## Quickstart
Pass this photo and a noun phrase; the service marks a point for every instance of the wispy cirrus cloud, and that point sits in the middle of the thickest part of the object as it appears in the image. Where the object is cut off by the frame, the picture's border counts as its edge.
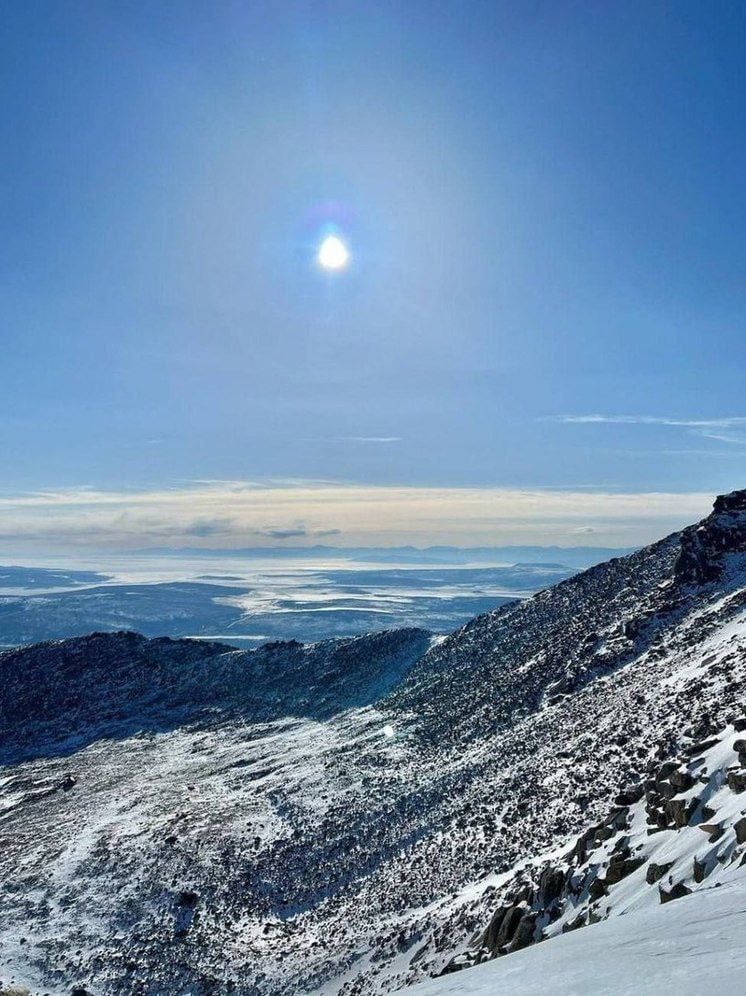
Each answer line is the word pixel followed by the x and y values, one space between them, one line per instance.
pixel 372 439
pixel 230 514
pixel 358 439
pixel 727 429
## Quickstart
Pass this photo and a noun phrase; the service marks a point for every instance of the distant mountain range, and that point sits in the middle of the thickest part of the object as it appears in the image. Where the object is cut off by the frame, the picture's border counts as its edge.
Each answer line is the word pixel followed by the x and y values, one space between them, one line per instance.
pixel 372 813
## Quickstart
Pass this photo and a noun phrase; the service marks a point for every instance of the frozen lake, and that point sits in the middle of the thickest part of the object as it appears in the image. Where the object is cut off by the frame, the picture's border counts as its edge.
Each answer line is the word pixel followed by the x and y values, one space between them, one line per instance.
pixel 247 601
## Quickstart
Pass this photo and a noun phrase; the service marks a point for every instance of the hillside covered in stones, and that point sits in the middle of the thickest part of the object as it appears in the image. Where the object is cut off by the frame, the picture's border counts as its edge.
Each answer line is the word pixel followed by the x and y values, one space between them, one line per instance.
pixel 113 683
pixel 429 805
pixel 681 828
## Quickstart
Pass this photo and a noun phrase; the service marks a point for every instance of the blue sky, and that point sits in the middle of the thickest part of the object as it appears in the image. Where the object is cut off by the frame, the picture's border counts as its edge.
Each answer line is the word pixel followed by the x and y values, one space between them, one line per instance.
pixel 545 205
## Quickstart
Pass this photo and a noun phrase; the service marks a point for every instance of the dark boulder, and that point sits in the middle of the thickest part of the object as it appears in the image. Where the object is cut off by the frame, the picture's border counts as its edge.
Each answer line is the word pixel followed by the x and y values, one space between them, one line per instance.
pixel 630 794
pixel 597 888
pixel 740 827
pixel 677 892
pixel 682 779
pixel 525 932
pixel 736 781
pixel 656 872
pixel 618 870
pixel 550 885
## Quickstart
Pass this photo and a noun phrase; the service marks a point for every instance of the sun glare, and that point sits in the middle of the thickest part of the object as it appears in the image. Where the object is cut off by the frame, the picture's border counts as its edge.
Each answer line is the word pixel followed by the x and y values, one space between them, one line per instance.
pixel 333 254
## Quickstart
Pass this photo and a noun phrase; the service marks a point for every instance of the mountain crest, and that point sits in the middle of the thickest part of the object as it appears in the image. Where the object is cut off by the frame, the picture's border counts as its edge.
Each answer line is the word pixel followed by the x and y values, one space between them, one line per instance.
pixel 704 545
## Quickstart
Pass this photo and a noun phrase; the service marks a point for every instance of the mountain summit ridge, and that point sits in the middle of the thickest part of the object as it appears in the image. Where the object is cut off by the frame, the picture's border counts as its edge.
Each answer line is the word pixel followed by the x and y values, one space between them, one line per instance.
pixel 704 545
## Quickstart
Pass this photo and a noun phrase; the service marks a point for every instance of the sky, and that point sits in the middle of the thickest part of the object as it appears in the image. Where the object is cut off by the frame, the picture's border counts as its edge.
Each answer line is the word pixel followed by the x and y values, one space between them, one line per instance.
pixel 544 205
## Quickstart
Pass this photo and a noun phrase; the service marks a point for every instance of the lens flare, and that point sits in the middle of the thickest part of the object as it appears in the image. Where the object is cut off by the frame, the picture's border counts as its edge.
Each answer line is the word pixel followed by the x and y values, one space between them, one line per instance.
pixel 333 254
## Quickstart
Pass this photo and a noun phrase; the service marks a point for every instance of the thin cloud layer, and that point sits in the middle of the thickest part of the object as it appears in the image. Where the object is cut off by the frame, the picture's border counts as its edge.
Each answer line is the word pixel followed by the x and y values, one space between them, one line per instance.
pixel 229 514
pixel 724 430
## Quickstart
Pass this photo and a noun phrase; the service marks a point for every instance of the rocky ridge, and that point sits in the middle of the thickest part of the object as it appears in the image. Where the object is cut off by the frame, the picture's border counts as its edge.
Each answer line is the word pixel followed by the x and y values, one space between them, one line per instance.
pixel 107 683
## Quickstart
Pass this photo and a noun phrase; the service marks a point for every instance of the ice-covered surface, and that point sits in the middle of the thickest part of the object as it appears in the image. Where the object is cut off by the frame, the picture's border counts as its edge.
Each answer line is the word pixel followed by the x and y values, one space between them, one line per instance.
pixel 688 948
pixel 246 603
pixel 281 838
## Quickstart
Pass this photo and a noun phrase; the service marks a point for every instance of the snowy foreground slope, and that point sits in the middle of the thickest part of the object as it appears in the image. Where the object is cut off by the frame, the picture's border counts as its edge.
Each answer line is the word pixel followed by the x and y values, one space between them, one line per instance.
pixel 688 948
pixel 357 816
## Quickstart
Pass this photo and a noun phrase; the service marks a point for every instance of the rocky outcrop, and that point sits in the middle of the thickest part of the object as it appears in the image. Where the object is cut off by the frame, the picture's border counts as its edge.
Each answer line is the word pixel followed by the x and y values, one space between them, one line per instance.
pixel 704 546
pixel 678 798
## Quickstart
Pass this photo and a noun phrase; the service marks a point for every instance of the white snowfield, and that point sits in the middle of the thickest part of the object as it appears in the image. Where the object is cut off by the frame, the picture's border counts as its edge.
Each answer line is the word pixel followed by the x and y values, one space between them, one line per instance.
pixel 691 947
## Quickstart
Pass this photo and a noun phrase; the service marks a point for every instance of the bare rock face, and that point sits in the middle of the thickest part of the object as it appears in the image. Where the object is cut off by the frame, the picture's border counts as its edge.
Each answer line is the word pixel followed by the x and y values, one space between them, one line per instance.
pixel 704 545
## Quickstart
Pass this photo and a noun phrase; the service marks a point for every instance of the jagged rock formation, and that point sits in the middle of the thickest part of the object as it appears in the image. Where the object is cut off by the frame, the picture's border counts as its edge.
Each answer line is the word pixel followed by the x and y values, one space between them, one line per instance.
pixel 361 848
pixel 703 546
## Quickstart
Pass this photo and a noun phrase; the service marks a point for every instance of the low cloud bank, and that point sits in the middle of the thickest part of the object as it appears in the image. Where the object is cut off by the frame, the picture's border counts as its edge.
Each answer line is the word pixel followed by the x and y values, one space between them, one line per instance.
pixel 226 514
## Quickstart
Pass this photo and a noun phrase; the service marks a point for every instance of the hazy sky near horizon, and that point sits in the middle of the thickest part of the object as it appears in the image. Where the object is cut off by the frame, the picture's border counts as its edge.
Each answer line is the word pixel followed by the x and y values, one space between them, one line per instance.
pixel 239 514
pixel 544 203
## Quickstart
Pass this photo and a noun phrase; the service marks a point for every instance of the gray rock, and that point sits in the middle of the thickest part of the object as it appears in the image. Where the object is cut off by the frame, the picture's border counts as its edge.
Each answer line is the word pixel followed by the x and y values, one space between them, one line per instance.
pixel 736 781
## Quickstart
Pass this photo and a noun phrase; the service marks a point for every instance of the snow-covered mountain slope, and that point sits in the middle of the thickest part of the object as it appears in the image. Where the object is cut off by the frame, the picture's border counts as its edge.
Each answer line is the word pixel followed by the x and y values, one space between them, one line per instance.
pixel 114 682
pixel 687 948
pixel 681 829
pixel 361 846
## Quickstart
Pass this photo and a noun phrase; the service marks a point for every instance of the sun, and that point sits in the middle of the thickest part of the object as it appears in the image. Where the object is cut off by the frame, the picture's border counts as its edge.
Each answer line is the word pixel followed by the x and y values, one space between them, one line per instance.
pixel 333 254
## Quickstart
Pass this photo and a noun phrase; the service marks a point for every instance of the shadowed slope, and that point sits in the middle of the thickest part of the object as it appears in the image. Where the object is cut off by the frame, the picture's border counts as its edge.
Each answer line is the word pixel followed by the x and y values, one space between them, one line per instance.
pixel 59 696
